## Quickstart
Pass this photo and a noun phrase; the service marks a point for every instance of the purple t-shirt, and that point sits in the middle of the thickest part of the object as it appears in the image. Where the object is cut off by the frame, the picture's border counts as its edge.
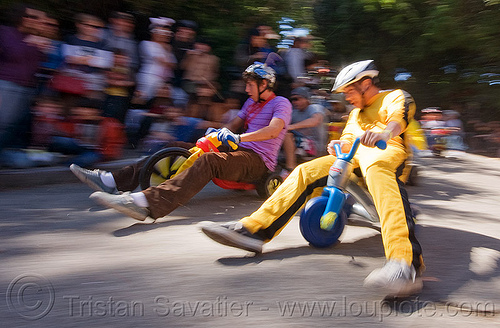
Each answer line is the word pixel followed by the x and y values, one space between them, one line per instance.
pixel 18 60
pixel 278 107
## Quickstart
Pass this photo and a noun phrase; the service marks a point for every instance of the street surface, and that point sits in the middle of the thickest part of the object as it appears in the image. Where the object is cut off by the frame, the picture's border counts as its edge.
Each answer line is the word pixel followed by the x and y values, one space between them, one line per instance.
pixel 67 262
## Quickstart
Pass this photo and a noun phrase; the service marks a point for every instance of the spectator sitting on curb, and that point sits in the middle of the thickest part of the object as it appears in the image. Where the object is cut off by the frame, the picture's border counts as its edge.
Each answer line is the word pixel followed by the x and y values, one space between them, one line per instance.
pixel 200 68
pixel 119 80
pixel 251 49
pixel 18 64
pixel 80 137
pixel 163 129
pixel 48 121
pixel 120 35
pixel 296 58
pixel 53 53
pixel 307 130
pixel 158 60
pixel 152 110
pixel 338 111
pixel 184 40
pixel 86 56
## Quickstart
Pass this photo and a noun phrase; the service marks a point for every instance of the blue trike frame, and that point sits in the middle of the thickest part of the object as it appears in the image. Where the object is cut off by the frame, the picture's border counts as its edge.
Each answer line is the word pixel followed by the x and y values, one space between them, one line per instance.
pixel 323 219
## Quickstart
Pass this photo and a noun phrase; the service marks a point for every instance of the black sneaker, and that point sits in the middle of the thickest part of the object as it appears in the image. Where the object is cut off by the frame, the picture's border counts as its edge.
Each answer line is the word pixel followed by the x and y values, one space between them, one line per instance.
pixel 233 234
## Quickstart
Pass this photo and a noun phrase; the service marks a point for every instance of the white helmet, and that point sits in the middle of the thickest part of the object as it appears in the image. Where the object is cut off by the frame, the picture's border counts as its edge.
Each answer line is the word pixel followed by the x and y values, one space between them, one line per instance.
pixel 353 73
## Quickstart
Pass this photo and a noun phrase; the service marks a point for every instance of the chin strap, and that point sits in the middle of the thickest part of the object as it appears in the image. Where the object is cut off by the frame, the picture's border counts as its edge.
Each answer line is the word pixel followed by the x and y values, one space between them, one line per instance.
pixel 362 95
pixel 260 93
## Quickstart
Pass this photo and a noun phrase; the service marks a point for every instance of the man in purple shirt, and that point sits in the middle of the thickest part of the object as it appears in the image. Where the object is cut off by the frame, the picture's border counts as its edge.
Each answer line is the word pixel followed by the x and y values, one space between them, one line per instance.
pixel 264 118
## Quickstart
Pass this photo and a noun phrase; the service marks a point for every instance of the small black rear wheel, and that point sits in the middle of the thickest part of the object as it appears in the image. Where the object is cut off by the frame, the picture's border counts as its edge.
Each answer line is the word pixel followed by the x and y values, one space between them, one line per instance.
pixel 267 186
pixel 162 165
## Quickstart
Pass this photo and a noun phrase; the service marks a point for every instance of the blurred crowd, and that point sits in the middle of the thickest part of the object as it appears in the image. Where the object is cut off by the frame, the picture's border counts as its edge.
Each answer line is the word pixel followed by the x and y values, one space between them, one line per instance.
pixel 474 135
pixel 85 96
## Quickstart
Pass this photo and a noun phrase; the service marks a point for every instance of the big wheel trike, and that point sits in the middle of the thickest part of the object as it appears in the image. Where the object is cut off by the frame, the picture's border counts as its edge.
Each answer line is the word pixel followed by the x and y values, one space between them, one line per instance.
pixel 167 163
pixel 324 218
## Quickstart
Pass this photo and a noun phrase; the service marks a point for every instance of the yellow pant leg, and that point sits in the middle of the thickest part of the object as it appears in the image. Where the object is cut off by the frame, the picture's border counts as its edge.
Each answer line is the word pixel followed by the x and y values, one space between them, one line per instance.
pixel 305 181
pixel 379 169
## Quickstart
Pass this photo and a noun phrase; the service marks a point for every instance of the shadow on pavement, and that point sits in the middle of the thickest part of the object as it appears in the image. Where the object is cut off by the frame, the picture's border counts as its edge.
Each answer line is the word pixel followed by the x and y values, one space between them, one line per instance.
pixel 448 255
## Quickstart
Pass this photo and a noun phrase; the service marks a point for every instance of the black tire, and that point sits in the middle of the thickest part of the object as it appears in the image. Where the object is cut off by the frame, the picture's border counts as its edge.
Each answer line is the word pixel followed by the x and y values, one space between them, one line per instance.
pixel 162 165
pixel 267 186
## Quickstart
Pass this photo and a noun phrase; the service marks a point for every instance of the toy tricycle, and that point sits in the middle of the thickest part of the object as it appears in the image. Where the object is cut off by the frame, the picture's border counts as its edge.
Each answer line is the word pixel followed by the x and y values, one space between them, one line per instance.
pixel 324 218
pixel 438 139
pixel 167 163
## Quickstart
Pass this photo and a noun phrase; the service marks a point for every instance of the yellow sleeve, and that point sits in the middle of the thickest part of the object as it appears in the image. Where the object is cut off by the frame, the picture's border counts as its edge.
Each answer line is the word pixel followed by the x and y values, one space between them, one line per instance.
pixel 400 107
pixel 348 134
pixel 395 108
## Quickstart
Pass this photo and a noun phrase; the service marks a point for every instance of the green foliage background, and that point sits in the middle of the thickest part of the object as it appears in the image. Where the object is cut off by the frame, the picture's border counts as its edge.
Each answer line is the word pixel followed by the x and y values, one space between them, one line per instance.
pixel 421 36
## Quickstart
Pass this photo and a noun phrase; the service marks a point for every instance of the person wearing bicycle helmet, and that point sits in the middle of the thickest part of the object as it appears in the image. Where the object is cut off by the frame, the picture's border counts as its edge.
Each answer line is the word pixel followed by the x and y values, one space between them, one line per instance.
pixel 264 78
pixel 264 118
pixel 378 115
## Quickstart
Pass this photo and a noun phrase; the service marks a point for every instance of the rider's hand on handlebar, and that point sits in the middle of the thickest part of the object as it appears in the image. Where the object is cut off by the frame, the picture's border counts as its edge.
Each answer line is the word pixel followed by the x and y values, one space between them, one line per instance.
pixel 228 138
pixel 345 146
pixel 369 138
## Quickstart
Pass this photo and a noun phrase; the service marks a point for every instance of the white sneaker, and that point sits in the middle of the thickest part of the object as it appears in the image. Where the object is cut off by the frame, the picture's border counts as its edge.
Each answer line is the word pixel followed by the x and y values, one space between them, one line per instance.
pixel 396 277
pixel 92 178
pixel 123 203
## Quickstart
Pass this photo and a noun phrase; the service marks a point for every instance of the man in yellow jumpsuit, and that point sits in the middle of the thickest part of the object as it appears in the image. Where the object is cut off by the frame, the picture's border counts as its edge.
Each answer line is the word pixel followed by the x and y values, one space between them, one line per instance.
pixel 379 115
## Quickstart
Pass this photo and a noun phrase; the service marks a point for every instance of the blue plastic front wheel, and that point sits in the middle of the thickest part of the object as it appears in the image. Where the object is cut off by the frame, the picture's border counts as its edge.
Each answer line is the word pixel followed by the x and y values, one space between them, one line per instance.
pixel 310 224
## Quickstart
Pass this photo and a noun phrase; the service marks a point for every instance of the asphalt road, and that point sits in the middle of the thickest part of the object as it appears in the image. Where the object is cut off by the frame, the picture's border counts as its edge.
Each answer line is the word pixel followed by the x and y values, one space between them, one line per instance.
pixel 67 262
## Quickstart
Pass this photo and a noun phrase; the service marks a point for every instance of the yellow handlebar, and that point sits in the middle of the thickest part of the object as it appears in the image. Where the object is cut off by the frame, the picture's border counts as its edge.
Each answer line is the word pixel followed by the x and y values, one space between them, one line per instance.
pixel 216 142
pixel 197 152
pixel 233 145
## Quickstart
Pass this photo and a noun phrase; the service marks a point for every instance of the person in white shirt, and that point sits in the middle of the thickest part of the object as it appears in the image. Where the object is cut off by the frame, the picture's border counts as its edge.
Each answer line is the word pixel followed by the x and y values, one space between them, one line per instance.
pixel 158 61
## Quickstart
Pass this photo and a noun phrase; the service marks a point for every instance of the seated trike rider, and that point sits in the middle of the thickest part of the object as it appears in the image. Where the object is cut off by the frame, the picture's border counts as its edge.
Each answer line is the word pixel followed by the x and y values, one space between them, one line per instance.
pixel 264 117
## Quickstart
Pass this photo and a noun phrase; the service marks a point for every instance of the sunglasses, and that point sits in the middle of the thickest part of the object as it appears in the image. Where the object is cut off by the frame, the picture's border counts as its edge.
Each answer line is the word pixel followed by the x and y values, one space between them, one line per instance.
pixel 161 31
pixel 294 98
pixel 91 25
pixel 31 16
